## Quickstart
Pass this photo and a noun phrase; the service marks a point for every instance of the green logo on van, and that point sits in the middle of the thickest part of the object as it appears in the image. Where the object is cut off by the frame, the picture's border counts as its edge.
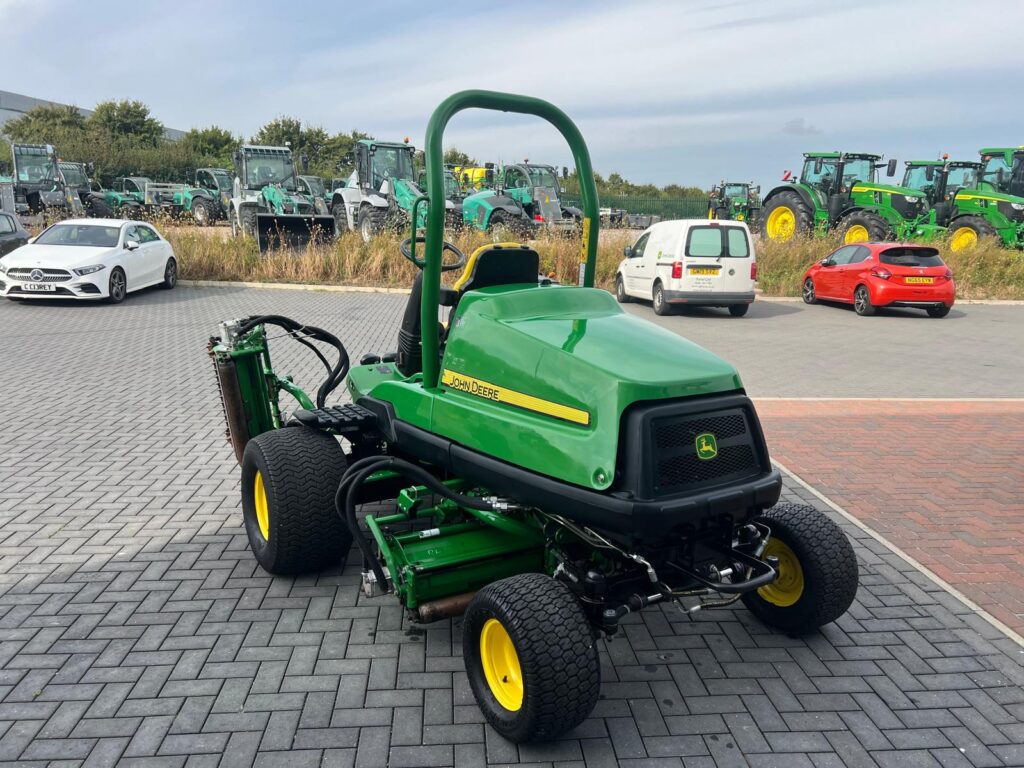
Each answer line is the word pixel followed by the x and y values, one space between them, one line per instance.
pixel 707 446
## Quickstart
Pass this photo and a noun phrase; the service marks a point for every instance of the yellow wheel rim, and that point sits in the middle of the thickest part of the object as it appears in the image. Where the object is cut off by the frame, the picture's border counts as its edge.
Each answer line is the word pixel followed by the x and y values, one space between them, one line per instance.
pixel 259 494
pixel 781 224
pixel 501 665
pixel 962 239
pixel 788 588
pixel 858 233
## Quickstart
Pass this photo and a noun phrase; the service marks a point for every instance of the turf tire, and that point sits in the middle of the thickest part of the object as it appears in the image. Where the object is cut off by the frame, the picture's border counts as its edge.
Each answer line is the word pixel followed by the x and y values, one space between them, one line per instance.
pixel 301 469
pixel 557 654
pixel 829 567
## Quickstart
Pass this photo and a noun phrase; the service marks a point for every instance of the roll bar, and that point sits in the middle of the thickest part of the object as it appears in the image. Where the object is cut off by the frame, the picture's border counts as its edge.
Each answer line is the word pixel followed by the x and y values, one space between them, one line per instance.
pixel 434 156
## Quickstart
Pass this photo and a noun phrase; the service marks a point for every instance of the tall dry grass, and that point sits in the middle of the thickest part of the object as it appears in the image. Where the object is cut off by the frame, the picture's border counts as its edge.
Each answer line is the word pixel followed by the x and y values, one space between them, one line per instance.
pixel 987 272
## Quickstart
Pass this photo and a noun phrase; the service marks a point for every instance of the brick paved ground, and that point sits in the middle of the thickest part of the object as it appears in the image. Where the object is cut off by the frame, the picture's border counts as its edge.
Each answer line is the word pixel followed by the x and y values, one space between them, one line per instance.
pixel 135 628
pixel 942 481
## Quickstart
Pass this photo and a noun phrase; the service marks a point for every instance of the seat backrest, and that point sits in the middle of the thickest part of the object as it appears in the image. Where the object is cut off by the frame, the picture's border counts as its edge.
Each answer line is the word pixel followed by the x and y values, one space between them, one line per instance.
pixel 499 264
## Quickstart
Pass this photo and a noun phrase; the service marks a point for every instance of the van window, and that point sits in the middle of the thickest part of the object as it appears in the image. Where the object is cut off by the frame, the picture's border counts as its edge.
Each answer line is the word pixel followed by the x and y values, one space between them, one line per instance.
pixel 716 242
pixel 641 244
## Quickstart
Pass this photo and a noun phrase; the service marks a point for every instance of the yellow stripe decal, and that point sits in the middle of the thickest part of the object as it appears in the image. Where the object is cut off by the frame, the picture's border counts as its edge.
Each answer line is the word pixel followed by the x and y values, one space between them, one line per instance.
pixel 489 391
pixel 962 196
pixel 859 188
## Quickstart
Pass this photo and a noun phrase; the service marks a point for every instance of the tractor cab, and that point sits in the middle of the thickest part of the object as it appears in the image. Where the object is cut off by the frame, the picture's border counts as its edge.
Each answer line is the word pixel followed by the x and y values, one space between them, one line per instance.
pixel 941 181
pixel 132 186
pixel 1003 170
pixel 37 181
pixel 219 183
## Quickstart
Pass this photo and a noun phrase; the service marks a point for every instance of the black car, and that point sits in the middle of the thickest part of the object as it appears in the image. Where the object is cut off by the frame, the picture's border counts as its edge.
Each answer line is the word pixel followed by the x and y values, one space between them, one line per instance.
pixel 12 234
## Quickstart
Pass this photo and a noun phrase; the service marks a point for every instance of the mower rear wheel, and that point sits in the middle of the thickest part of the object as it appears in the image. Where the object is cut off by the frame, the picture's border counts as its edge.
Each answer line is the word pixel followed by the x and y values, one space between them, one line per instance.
pixel 531 657
pixel 818 572
pixel 289 478
pixel 661 306
pixel 863 227
pixel 620 291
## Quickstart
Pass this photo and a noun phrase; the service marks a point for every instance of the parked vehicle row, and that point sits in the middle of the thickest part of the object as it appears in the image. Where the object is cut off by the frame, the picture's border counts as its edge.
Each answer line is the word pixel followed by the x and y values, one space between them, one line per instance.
pixel 967 201
pixel 712 263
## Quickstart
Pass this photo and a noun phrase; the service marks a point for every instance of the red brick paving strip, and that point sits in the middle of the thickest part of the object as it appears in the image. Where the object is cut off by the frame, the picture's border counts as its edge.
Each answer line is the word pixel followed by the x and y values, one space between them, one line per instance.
pixel 942 480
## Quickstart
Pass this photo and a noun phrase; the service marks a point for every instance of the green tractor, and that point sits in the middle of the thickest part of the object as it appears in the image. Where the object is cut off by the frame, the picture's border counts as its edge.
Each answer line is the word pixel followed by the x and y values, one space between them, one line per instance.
pixel 969 210
pixel 381 192
pixel 219 182
pixel 524 198
pixel 555 464
pixel 126 197
pixel 839 191
pixel 203 206
pixel 76 178
pixel 735 200
pixel 1003 170
pixel 265 202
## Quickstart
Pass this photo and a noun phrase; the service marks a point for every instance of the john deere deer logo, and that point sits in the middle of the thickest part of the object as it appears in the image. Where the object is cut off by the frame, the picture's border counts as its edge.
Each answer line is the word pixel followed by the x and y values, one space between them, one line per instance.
pixel 707 446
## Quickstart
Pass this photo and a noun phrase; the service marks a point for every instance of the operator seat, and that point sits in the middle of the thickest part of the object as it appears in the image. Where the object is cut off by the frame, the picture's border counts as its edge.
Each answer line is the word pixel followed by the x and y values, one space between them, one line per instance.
pixel 489 265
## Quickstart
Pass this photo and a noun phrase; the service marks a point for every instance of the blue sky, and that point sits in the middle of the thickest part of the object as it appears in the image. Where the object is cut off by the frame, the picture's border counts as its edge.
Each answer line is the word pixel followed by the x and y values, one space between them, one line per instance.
pixel 686 91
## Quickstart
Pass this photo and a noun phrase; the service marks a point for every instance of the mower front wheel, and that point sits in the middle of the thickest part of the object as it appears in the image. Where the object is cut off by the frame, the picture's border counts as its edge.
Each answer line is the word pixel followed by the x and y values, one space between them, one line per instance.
pixel 289 478
pixel 818 572
pixel 531 657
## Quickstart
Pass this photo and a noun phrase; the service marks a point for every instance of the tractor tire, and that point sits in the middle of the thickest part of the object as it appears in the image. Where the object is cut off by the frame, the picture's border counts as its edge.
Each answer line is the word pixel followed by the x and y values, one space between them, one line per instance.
pixel 497 221
pixel 248 222
pixel 370 222
pixel 809 292
pixel 661 306
pixel 340 219
pixel 97 208
pixel 785 216
pixel 862 301
pixel 129 211
pixel 620 291
pixel 864 227
pixel 531 657
pixel 738 310
pixel 721 214
pixel 203 212
pixel 818 572
pixel 966 232
pixel 289 478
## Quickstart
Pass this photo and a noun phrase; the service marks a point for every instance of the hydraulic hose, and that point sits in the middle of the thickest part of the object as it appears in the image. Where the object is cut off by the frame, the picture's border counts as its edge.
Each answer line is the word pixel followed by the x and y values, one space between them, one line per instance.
pixel 356 474
pixel 335 374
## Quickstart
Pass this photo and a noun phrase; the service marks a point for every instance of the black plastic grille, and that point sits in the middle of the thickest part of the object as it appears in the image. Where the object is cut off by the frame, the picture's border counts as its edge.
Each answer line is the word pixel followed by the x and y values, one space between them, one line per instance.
pixel 677 467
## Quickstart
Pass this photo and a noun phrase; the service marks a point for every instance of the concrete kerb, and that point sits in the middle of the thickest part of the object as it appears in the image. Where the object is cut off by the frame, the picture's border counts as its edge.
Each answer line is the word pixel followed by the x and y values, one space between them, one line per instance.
pixel 380 289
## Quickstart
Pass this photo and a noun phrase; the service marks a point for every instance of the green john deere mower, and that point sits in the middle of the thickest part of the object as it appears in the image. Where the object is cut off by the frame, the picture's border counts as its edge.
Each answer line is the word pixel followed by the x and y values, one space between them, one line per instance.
pixel 555 464
pixel 839 191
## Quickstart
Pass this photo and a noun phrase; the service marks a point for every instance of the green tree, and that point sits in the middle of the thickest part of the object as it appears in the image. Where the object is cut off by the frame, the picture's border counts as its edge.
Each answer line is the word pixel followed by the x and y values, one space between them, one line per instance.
pixel 212 141
pixel 126 121
pixel 338 153
pixel 46 125
pixel 453 156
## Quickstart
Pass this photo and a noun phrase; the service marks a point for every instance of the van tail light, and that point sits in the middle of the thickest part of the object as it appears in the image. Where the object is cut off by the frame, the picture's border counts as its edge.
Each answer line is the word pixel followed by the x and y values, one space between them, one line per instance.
pixel 881 272
pixel 753 270
pixel 677 270
pixel 948 274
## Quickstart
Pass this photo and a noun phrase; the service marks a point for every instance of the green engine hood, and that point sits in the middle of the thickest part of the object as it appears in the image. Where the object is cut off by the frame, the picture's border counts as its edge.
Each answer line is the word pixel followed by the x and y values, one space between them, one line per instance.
pixel 539 376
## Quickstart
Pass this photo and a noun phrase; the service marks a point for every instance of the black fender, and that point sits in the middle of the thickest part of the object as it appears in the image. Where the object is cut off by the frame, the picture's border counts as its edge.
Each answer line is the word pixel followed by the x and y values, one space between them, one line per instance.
pixel 803 194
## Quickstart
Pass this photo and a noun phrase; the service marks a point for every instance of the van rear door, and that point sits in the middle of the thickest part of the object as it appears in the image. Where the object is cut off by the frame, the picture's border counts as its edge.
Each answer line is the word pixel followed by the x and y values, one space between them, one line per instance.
pixel 717 259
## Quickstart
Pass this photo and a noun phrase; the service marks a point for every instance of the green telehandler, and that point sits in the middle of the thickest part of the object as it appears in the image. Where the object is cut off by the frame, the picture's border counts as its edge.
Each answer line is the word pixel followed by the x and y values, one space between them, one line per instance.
pixel 555 463
pixel 524 198
pixel 381 191
pixel 735 200
pixel 971 211
pixel 76 178
pixel 839 191
pixel 265 203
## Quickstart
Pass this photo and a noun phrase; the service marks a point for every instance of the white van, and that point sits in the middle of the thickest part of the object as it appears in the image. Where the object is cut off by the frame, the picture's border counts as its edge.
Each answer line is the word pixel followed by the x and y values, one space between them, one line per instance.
pixel 699 262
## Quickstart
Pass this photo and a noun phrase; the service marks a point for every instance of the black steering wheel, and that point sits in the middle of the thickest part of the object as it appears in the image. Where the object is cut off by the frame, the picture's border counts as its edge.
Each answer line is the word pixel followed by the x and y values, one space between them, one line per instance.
pixel 460 257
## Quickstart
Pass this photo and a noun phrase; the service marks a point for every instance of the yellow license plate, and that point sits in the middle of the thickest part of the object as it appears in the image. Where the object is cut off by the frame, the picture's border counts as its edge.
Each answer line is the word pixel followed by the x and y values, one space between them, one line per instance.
pixel 704 271
pixel 919 280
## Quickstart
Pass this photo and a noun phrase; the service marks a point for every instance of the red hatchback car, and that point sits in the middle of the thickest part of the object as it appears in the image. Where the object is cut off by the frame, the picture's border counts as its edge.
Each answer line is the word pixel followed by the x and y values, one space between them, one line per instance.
pixel 872 275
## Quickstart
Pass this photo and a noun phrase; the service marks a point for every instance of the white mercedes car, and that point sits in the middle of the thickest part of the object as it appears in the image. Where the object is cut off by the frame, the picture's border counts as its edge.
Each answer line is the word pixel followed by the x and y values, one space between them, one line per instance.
pixel 89 259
